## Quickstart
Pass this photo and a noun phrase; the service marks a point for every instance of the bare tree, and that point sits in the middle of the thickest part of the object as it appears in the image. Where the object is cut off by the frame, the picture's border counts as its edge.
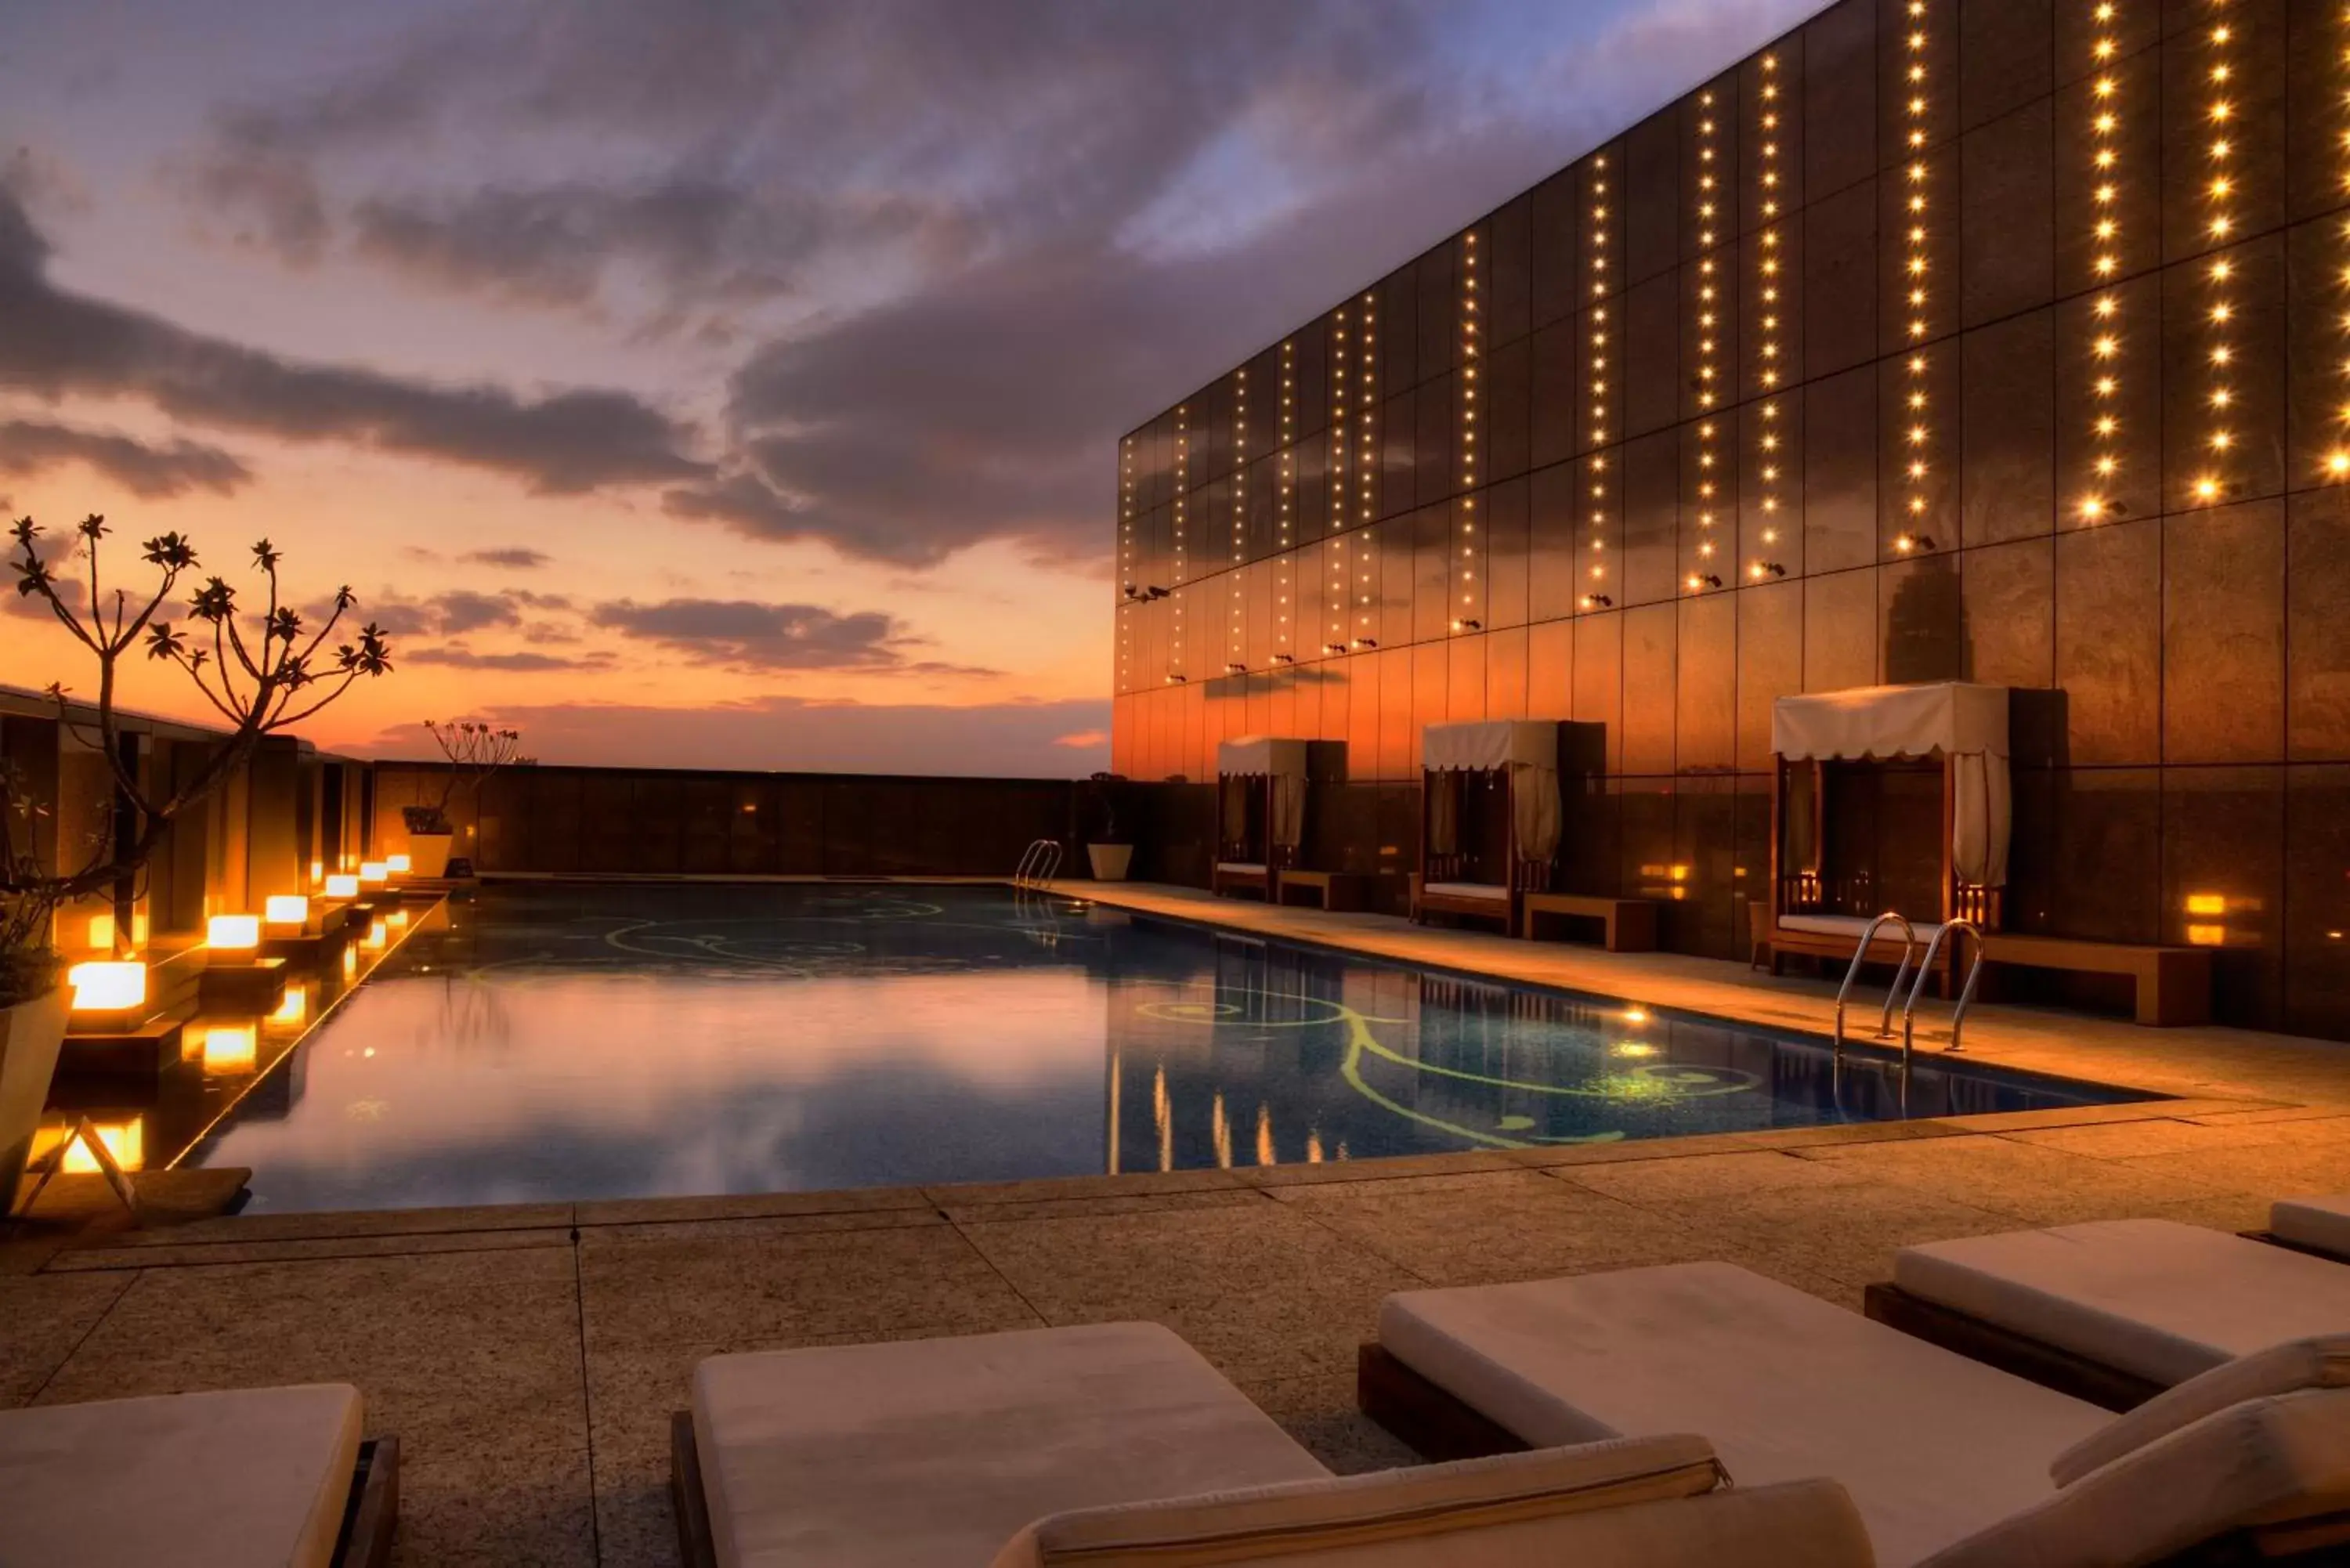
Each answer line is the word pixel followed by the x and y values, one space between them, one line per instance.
pixel 261 673
pixel 475 751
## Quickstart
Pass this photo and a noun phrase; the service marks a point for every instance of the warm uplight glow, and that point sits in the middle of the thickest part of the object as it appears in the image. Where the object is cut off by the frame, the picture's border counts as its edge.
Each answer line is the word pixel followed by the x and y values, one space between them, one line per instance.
pixel 318 872
pixel 293 1007
pixel 231 1047
pixel 397 919
pixel 374 871
pixel 101 932
pixel 397 865
pixel 350 962
pixel 1636 1015
pixel 108 986
pixel 125 1142
pixel 232 933
pixel 2207 903
pixel 286 910
pixel 342 885
pixel 377 933
pixel 2207 936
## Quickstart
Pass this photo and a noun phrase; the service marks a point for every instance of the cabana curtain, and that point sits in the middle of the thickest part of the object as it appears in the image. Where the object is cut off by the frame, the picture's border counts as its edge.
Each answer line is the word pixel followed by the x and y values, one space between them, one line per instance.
pixel 1258 756
pixel 1965 722
pixel 1528 749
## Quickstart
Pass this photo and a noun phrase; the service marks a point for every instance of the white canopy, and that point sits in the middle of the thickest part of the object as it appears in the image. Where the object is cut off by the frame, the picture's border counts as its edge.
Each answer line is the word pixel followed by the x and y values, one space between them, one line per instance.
pixel 1473 748
pixel 1951 717
pixel 1528 748
pixel 1965 722
pixel 1265 756
pixel 1261 754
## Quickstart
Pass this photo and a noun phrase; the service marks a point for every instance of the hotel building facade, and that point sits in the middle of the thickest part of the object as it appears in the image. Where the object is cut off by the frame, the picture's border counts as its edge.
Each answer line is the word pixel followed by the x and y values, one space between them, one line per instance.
pixel 1993 340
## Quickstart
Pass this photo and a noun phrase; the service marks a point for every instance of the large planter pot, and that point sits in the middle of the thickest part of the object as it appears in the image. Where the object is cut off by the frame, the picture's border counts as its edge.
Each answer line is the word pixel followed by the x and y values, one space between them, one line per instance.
pixel 31 1033
pixel 1110 860
pixel 428 853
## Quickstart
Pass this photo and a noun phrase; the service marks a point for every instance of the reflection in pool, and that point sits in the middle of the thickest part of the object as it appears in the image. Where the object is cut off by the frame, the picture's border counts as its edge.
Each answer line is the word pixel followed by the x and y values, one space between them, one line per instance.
pixel 559 1041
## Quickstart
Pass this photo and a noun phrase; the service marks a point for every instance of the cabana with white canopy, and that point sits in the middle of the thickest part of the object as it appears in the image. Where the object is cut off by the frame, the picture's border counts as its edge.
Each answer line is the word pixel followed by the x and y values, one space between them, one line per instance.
pixel 1887 797
pixel 1488 817
pixel 1260 813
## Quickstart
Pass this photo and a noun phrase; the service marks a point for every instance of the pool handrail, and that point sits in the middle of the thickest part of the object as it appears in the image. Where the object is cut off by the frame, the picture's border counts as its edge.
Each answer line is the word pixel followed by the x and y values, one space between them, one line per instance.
pixel 1039 864
pixel 1859 957
pixel 1966 994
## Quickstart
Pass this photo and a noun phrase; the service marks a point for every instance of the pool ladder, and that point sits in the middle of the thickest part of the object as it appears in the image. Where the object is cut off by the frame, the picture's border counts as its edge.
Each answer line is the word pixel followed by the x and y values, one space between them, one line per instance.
pixel 1039 864
pixel 1917 986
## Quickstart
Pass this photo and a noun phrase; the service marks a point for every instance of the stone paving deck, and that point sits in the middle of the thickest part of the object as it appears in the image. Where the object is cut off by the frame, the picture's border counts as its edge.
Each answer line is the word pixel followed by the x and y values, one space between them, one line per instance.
pixel 528 1356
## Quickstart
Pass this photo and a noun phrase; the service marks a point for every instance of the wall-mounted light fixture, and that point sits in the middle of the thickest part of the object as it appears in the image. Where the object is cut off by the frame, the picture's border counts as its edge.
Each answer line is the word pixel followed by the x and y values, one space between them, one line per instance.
pixel 1367 642
pixel 1698 582
pixel 1761 569
pixel 1597 601
pixel 1284 658
pixel 1466 625
pixel 1235 668
pixel 1333 648
pixel 1914 544
pixel 1173 679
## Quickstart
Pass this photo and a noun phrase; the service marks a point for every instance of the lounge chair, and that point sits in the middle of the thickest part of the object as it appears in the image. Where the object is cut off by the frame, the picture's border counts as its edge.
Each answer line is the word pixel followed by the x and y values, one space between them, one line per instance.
pixel 1948 1461
pixel 2114 1311
pixel 274 1478
pixel 1116 1445
pixel 2320 1226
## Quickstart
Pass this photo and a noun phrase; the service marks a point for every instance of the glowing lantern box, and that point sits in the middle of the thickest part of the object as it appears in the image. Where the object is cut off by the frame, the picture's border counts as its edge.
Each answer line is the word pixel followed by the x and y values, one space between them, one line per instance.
pixel 229 1048
pixel 116 1030
pixel 234 935
pixel 108 988
pixel 342 885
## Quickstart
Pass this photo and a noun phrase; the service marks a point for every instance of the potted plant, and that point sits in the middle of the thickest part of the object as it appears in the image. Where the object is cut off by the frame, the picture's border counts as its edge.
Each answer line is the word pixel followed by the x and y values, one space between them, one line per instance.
pixel 475 751
pixel 32 1003
pixel 262 674
pixel 1110 851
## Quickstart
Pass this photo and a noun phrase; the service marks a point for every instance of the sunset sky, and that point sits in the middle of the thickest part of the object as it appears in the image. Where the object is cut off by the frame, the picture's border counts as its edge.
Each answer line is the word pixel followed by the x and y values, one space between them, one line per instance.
pixel 719 385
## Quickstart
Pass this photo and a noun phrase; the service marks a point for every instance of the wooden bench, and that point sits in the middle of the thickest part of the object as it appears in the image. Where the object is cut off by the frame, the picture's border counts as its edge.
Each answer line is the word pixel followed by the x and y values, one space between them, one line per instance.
pixel 2174 984
pixel 1629 924
pixel 1334 891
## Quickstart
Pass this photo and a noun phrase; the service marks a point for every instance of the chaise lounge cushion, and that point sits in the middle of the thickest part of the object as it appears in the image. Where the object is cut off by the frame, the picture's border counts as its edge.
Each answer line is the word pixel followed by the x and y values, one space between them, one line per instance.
pixel 935 1451
pixel 2322 1224
pixel 2320 1363
pixel 1363 1511
pixel 2262 1462
pixel 2153 1297
pixel 1932 1447
pixel 1480 1514
pixel 251 1478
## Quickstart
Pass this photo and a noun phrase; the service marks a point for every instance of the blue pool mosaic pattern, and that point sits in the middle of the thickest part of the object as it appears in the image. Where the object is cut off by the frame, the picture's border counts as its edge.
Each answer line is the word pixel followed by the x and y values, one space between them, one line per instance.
pixel 581 1041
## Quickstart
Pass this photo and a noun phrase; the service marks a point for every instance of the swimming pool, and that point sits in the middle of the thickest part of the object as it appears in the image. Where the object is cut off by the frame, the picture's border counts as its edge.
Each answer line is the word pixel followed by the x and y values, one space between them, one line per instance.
pixel 578 1040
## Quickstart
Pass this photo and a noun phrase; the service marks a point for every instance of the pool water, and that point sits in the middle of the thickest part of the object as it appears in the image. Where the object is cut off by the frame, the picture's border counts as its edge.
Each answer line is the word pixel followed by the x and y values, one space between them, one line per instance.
pixel 578 1041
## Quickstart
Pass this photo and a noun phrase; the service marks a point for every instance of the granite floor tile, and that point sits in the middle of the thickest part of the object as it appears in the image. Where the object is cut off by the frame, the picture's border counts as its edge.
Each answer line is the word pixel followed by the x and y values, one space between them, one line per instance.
pixel 2119 1141
pixel 242 1228
pixel 760 1287
pixel 1321 1413
pixel 1720 1182
pixel 42 1319
pixel 1847 1233
pixel 1262 1292
pixel 1477 1229
pixel 93 1259
pixel 751 1206
pixel 2264 1170
pixel 1073 1208
pixel 2030 1183
pixel 471 1359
